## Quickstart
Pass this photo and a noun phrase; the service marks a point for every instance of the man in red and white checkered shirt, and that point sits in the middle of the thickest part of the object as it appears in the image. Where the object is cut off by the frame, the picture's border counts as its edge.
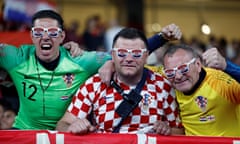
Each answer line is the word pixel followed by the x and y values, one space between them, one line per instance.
pixel 157 111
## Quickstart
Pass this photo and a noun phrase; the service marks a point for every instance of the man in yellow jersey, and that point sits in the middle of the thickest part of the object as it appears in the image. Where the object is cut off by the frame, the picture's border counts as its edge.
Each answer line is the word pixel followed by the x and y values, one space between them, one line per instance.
pixel 209 99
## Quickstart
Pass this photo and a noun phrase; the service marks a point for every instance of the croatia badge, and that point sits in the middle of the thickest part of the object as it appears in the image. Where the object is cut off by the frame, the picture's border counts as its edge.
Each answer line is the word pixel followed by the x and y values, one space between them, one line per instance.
pixel 68 79
pixel 201 102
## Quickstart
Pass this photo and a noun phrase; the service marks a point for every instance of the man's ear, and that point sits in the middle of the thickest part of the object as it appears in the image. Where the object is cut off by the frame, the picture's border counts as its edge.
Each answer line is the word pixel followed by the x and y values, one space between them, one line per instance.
pixel 63 35
pixel 32 37
pixel 199 64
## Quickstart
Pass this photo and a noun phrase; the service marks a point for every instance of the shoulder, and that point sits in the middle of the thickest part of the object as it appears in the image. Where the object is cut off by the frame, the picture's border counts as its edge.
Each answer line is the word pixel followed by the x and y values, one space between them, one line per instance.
pixel 160 80
pixel 94 83
pixel 220 80
pixel 217 75
pixel 223 84
pixel 95 79
pixel 157 69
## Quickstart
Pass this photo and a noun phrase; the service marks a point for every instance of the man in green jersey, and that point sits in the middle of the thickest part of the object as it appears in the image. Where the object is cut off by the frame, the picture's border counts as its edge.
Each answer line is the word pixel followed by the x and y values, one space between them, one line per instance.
pixel 45 74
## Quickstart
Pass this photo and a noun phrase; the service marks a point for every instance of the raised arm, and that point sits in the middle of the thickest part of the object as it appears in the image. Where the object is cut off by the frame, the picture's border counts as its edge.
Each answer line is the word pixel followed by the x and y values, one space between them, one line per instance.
pixel 170 32
pixel 212 58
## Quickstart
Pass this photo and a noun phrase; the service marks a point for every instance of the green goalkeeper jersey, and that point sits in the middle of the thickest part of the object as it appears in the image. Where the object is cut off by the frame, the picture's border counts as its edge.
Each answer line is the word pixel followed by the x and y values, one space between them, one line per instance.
pixel 45 95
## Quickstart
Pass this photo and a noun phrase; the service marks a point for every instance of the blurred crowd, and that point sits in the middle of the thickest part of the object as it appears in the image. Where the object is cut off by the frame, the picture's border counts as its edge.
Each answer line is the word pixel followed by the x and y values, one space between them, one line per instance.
pixel 228 49
pixel 97 36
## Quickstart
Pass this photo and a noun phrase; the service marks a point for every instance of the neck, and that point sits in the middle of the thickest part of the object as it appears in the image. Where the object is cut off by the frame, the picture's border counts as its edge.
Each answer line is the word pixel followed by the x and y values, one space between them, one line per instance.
pixel 202 75
pixel 49 65
pixel 129 80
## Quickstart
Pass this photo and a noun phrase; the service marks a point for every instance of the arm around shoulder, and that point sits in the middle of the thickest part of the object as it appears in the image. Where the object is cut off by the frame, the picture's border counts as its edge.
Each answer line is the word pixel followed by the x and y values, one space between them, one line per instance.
pixel 73 124
pixel 177 131
pixel 65 122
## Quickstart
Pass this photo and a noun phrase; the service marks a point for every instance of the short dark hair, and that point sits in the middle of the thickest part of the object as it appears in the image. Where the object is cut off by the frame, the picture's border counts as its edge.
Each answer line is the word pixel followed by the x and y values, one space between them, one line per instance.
pixel 131 33
pixel 48 14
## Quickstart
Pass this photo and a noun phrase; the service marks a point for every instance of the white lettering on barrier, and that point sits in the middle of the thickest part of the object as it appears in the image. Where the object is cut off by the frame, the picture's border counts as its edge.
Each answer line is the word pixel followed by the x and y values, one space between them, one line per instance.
pixel 144 139
pixel 152 140
pixel 236 141
pixel 59 138
pixel 42 138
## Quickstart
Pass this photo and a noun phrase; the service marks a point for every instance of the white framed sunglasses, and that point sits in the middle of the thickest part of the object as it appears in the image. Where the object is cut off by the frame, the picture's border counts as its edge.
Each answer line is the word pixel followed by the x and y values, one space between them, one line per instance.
pixel 184 68
pixel 135 53
pixel 52 32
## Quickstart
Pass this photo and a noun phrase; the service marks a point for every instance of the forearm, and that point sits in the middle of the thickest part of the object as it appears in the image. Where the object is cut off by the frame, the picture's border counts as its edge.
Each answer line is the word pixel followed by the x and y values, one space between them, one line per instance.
pixel 233 70
pixel 62 126
pixel 177 131
pixel 156 42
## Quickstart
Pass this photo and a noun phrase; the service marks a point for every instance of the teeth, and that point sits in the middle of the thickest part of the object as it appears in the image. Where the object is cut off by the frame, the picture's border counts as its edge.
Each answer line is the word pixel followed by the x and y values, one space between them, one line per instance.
pixel 46 46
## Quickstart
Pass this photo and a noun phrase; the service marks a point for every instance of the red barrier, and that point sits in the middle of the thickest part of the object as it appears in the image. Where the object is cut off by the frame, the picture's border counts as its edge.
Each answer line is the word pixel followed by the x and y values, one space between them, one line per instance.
pixel 15 38
pixel 52 137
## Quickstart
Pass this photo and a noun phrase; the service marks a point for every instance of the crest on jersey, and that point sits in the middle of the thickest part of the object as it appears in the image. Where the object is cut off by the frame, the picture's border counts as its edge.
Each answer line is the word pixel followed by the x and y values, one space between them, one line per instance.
pixel 68 79
pixel 146 101
pixel 201 102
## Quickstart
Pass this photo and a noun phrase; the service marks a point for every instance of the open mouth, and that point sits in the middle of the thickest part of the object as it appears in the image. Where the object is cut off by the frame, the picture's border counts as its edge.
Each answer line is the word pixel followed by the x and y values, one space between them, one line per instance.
pixel 46 46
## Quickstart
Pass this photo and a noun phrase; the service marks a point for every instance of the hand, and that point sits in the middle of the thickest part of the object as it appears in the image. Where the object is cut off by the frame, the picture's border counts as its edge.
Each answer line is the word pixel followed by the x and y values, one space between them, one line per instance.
pixel 81 126
pixel 106 71
pixel 212 58
pixel 171 32
pixel 162 128
pixel 74 48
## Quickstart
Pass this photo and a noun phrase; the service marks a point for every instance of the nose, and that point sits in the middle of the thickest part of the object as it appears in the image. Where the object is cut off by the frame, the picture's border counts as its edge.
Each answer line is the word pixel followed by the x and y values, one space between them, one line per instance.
pixel 178 74
pixel 45 35
pixel 128 56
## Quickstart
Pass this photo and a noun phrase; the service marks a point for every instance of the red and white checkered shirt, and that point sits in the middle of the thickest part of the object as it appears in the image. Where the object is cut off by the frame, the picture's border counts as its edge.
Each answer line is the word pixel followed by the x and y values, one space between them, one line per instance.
pixel 158 103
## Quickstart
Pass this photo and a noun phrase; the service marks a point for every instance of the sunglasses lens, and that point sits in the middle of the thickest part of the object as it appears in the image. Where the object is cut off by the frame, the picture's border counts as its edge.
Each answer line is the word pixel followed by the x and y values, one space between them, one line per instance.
pixel 136 53
pixel 183 68
pixel 169 73
pixel 53 32
pixel 122 52
pixel 37 32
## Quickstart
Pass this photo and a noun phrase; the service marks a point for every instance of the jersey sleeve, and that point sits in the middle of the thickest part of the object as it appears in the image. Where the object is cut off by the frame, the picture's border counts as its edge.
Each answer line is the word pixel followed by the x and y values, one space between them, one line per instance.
pixel 231 89
pixel 227 86
pixel 156 42
pixel 233 70
pixel 92 61
pixel 11 56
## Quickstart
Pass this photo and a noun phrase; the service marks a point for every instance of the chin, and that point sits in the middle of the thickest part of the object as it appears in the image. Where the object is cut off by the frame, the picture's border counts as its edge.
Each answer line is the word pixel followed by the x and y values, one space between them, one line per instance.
pixel 182 88
pixel 128 75
pixel 128 72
